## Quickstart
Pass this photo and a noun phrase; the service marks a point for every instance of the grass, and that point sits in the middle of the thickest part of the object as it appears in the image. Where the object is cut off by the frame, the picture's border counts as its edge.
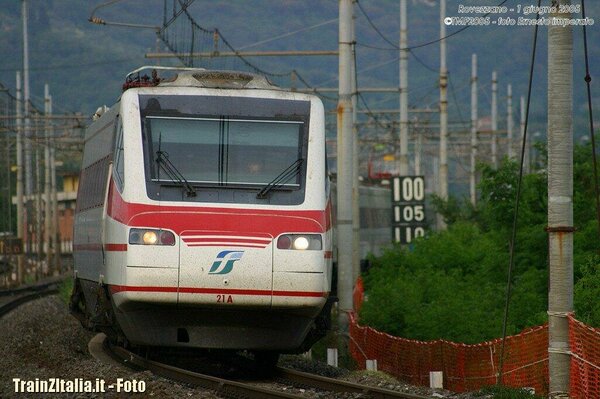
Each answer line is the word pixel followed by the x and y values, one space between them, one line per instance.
pixel 64 291
pixel 504 392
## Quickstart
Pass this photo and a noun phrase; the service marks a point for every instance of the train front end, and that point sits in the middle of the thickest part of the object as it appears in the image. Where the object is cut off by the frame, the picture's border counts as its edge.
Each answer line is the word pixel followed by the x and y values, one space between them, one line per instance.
pixel 219 206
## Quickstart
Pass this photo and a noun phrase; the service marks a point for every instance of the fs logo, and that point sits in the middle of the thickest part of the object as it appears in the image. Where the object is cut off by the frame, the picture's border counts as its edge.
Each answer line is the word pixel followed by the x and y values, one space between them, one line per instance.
pixel 230 257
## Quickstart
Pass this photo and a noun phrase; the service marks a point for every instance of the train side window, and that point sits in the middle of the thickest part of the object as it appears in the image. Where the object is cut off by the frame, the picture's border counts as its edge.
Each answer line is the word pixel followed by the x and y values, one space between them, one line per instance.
pixel 119 169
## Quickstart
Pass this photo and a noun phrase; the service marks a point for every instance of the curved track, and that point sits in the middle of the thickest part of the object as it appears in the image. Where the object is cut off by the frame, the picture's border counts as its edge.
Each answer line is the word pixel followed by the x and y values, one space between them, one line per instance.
pixel 11 299
pixel 229 388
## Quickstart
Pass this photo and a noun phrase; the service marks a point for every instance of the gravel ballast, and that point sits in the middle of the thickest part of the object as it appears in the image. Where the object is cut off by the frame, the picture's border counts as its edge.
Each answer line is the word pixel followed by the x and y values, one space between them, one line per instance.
pixel 41 340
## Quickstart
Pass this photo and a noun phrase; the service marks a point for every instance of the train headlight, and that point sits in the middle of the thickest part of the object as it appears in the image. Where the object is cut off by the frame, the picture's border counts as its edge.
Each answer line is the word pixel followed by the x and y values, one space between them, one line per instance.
pixel 151 237
pixel 300 242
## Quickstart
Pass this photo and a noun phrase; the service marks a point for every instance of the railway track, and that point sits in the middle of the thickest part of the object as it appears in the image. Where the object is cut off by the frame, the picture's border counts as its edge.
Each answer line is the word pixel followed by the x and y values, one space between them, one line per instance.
pixel 11 299
pixel 236 389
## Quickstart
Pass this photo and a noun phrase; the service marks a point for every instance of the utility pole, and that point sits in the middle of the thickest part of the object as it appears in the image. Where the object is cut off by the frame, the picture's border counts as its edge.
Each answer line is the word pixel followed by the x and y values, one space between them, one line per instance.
pixel 28 164
pixel 54 226
pixel 20 208
pixel 418 151
pixel 560 200
pixel 47 205
pixel 39 237
pixel 495 119
pixel 472 174
pixel 344 163
pixel 355 163
pixel 403 90
pixel 509 121
pixel 443 168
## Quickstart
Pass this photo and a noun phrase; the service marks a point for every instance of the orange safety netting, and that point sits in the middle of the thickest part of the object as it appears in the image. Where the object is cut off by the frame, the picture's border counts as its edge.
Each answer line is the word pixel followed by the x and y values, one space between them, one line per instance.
pixel 465 367
pixel 471 367
pixel 585 360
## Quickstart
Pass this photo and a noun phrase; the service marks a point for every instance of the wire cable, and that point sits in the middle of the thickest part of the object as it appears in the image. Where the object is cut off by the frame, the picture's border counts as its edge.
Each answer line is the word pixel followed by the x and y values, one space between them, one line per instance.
pixel 588 80
pixel 429 42
pixel 517 200
pixel 375 26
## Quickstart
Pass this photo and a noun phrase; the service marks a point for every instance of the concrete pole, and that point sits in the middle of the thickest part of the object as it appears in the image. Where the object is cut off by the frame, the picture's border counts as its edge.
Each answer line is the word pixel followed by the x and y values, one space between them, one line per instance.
pixel 403 90
pixel 54 226
pixel 509 121
pixel 472 174
pixel 560 200
pixel 47 205
pixel 418 151
pixel 344 163
pixel 20 209
pixel 443 168
pixel 495 119
pixel 27 130
pixel 39 236
pixel 355 166
pixel 26 99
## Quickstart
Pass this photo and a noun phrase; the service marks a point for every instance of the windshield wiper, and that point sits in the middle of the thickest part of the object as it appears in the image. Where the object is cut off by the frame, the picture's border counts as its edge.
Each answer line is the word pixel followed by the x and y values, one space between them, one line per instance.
pixel 282 178
pixel 162 159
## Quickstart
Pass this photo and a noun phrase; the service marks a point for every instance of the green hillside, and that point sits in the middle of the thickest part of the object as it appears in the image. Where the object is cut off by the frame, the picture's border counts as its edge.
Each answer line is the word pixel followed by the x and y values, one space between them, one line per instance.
pixel 85 63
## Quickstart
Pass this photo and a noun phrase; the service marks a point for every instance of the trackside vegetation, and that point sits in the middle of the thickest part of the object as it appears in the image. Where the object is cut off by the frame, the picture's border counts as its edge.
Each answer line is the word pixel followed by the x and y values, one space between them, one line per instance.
pixel 452 283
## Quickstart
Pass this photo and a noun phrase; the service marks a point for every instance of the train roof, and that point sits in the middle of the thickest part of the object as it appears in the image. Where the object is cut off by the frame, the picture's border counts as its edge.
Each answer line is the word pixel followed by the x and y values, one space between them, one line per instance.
pixel 196 77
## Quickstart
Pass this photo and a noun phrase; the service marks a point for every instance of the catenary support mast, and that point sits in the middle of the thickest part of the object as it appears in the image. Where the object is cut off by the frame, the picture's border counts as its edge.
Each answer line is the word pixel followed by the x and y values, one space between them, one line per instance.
pixel 344 162
pixel 560 201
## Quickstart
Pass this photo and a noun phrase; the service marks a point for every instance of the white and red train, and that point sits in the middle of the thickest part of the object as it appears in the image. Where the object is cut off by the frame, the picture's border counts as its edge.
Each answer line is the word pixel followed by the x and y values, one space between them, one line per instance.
pixel 204 216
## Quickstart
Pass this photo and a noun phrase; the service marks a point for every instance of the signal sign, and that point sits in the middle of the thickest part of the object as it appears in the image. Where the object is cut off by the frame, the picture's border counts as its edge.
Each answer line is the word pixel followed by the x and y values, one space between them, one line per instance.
pixel 11 246
pixel 408 208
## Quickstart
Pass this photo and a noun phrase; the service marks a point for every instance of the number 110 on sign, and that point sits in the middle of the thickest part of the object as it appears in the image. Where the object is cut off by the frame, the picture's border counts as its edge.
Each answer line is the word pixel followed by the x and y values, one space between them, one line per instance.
pixel 406 234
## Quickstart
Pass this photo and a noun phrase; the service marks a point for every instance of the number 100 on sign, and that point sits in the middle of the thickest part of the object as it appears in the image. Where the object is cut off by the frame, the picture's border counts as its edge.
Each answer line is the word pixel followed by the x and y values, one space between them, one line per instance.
pixel 409 189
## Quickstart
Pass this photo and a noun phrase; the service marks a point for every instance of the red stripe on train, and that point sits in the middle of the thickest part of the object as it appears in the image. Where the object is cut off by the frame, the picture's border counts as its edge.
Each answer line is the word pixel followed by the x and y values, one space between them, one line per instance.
pixel 201 220
pixel 115 247
pixel 191 290
pixel 226 240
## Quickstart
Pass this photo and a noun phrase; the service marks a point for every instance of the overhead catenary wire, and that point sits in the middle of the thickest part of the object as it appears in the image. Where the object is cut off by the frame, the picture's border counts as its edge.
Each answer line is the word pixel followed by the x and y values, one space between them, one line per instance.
pixel 588 81
pixel 517 199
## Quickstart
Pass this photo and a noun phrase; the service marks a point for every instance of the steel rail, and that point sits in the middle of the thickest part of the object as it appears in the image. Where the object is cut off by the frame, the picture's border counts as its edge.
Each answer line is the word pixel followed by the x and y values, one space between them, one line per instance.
pixel 232 388
pixel 22 295
pixel 219 385
pixel 331 384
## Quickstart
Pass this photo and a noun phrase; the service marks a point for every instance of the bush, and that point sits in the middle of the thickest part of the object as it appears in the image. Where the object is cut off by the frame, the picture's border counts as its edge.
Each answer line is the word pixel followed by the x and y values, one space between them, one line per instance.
pixel 452 284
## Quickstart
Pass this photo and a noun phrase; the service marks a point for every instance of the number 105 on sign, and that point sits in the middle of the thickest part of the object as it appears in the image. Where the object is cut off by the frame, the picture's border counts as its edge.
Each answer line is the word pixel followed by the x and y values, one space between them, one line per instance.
pixel 409 213
pixel 406 234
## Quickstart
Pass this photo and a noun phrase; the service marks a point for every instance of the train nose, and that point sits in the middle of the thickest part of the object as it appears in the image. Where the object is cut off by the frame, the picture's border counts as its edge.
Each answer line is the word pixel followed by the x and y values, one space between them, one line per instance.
pixel 228 269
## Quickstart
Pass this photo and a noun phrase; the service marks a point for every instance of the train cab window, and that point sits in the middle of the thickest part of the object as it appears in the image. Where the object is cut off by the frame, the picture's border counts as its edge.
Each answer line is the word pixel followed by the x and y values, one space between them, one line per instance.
pixel 119 161
pixel 226 152
pixel 228 148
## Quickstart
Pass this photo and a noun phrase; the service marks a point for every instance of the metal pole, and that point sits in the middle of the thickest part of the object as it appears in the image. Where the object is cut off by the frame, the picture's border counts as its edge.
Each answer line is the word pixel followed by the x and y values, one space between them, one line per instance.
pixel 55 226
pixel 494 119
pixel 39 237
pixel 355 164
pixel 509 121
pixel 21 220
pixel 472 174
pixel 443 168
pixel 403 90
pixel 344 163
pixel 560 200
pixel 27 130
pixel 418 151
pixel 47 207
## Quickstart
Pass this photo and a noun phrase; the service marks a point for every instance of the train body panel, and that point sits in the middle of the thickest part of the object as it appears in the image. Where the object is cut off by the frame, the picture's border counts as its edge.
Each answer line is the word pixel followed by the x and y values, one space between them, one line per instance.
pixel 183 234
